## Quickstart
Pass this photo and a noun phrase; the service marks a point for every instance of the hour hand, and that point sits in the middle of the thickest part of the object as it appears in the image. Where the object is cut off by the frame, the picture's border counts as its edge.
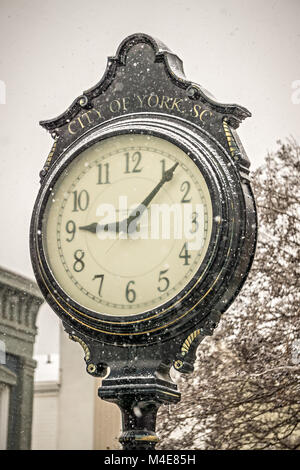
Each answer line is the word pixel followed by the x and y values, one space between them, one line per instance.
pixel 89 228
pixel 94 227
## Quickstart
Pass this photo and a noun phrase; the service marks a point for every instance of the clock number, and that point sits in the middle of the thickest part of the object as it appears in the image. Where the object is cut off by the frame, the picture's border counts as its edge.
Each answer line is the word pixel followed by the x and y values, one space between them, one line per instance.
pixel 71 230
pixel 163 279
pixel 130 293
pixel 186 186
pixel 78 264
pixel 184 254
pixel 135 157
pixel 101 277
pixel 103 173
pixel 194 222
pixel 81 200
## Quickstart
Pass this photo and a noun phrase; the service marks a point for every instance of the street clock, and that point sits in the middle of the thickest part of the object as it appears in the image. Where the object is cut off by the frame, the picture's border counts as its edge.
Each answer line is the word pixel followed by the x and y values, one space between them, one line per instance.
pixel 144 228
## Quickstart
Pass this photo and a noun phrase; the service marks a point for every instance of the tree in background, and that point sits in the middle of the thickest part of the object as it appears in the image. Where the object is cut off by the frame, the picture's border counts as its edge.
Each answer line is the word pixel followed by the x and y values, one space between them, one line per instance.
pixel 245 391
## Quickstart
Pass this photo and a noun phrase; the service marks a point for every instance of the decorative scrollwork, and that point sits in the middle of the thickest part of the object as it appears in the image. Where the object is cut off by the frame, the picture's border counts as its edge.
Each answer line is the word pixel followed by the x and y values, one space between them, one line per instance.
pixel 234 150
pixel 85 348
pixel 49 158
pixel 186 345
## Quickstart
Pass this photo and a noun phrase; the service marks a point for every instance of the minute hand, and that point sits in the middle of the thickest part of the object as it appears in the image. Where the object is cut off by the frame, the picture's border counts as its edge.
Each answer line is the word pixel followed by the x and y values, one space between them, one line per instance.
pixel 167 176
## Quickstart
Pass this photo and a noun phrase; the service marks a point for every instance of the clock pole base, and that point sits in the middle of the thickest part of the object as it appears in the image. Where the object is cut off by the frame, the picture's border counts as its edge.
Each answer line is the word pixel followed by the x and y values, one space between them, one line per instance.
pixel 139 403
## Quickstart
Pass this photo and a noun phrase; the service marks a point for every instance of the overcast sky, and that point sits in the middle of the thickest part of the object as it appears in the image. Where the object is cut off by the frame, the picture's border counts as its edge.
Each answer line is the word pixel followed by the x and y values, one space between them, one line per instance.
pixel 247 52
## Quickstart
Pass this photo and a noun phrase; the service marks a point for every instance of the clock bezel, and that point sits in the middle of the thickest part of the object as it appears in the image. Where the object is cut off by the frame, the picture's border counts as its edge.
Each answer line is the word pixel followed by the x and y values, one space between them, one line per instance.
pixel 181 311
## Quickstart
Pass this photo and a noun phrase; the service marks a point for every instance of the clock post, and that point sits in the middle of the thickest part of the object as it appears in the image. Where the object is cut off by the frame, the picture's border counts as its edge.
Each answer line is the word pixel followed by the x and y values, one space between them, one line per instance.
pixel 139 285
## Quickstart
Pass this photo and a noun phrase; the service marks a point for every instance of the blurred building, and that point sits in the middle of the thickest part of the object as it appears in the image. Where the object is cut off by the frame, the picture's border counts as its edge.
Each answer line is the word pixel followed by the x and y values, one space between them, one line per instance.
pixel 20 300
pixel 67 412
pixel 47 401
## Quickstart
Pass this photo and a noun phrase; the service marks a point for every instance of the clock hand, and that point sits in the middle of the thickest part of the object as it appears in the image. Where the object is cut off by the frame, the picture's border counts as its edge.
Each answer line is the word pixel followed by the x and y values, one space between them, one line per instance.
pixel 89 228
pixel 167 176
pixel 94 227
pixel 112 226
pixel 124 224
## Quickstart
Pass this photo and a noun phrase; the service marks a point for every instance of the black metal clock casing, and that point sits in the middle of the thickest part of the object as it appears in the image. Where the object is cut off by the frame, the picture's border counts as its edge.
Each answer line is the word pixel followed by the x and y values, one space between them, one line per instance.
pixel 144 93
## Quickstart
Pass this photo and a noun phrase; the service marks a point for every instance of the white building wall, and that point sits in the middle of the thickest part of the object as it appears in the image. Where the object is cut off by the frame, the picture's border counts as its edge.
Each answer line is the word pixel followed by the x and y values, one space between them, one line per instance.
pixel 45 416
pixel 76 398
pixel 67 413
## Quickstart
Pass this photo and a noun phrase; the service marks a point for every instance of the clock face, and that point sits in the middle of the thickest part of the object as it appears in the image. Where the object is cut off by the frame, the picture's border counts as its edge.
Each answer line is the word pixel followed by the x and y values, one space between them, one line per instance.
pixel 127 225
